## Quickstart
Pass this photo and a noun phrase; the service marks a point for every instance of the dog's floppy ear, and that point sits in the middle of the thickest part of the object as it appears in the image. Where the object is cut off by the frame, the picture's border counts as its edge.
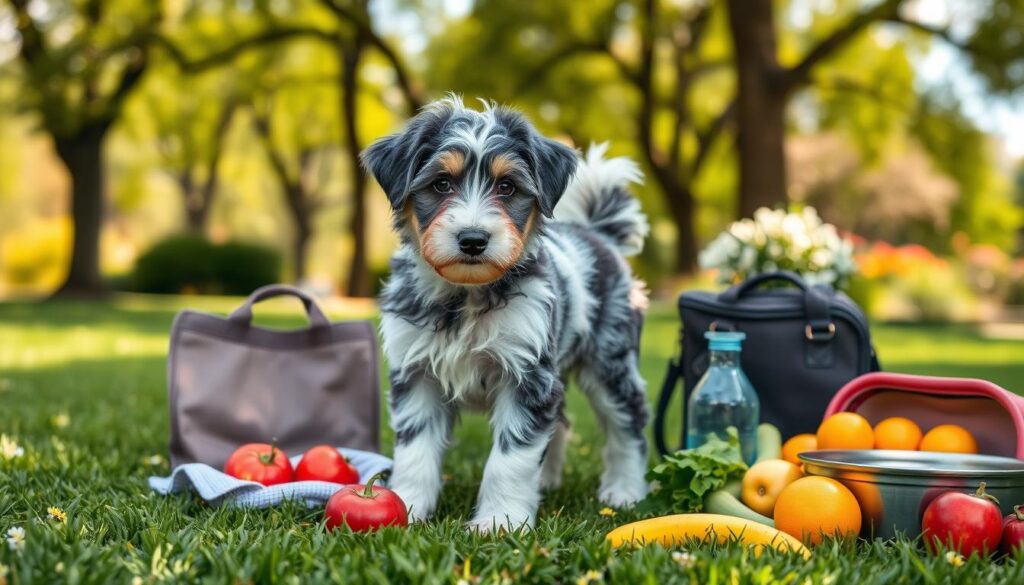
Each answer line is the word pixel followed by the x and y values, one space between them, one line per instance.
pixel 394 160
pixel 553 166
pixel 390 161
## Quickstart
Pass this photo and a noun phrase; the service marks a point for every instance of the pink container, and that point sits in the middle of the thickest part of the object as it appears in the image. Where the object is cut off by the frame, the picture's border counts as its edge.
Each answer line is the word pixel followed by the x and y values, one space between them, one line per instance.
pixel 993 415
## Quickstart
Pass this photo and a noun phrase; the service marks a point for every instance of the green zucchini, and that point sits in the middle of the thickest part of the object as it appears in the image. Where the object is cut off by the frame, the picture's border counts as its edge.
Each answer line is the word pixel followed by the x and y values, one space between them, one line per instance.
pixel 769 442
pixel 722 502
pixel 733 488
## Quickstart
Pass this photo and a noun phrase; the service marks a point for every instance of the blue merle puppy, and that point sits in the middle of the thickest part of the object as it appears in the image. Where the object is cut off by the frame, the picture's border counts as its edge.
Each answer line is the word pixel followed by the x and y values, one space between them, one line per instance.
pixel 510 276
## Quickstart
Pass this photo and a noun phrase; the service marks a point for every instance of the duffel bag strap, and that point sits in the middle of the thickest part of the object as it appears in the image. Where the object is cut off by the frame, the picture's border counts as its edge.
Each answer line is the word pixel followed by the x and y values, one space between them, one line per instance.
pixel 818 310
pixel 668 388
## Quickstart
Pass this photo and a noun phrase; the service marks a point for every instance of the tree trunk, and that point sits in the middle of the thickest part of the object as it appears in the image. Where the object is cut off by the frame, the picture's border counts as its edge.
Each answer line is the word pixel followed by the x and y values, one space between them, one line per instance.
pixel 199 200
pixel 668 173
pixel 195 216
pixel 195 211
pixel 300 245
pixel 82 154
pixel 761 97
pixel 359 284
pixel 679 200
pixel 681 208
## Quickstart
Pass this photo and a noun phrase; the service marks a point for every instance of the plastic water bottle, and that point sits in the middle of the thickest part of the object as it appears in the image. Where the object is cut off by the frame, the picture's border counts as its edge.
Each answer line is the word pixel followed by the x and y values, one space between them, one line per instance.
pixel 724 397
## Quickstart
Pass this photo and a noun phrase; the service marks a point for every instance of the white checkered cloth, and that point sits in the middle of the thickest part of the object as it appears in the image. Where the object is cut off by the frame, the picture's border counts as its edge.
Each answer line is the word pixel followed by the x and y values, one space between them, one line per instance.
pixel 219 488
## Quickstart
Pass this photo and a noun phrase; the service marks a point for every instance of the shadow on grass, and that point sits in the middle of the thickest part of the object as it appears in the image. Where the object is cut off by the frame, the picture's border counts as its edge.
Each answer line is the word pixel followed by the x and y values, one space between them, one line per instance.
pixel 69 314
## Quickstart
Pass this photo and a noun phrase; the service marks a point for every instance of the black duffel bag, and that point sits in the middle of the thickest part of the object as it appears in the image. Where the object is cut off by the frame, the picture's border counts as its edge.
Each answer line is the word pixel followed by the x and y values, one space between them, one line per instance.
pixel 803 343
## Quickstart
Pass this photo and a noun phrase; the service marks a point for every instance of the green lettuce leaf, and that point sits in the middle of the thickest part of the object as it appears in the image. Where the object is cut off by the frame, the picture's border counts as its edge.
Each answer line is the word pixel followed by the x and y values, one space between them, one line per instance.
pixel 683 478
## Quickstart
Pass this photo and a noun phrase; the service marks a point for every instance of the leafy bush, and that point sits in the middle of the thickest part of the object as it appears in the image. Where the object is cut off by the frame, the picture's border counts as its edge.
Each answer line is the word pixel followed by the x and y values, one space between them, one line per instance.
pixel 193 264
pixel 910 283
pixel 937 293
pixel 242 268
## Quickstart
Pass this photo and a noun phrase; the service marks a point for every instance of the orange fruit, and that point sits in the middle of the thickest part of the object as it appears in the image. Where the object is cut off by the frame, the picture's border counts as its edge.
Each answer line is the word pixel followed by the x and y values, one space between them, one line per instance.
pixel 845 430
pixel 796 445
pixel 949 439
pixel 763 483
pixel 813 507
pixel 897 433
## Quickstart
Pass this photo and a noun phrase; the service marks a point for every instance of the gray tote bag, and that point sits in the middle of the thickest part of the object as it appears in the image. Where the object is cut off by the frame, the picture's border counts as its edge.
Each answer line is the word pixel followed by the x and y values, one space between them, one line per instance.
pixel 231 382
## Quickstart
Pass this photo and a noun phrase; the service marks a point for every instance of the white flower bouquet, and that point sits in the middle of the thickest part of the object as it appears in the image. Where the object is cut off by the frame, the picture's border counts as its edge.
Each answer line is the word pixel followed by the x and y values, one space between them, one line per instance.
pixel 773 240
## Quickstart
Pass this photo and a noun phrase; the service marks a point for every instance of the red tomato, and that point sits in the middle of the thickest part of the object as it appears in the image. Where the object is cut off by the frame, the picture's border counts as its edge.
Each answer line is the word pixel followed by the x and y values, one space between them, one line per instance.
pixel 365 508
pixel 261 463
pixel 324 463
pixel 969 523
pixel 1013 531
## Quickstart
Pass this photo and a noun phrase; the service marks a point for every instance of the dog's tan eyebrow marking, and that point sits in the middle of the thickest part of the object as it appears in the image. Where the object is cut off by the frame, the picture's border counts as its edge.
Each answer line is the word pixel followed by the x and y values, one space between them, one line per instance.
pixel 502 165
pixel 452 162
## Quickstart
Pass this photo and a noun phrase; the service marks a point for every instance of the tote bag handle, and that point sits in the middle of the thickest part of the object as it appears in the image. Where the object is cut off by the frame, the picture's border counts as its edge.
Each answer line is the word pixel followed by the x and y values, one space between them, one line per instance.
pixel 243 314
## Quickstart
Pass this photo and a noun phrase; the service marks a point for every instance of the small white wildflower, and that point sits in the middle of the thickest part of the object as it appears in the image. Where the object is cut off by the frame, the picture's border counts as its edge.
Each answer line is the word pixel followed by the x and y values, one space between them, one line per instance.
pixel 954 559
pixel 747 259
pixel 684 559
pixel 154 460
pixel 821 258
pixel 16 538
pixel 9 449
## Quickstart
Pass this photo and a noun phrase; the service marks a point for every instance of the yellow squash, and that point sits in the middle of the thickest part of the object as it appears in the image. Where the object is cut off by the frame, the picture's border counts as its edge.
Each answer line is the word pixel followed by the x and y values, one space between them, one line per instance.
pixel 678 528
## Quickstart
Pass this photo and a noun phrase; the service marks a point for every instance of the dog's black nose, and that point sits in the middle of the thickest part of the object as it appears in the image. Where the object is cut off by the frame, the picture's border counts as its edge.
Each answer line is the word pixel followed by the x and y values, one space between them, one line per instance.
pixel 473 242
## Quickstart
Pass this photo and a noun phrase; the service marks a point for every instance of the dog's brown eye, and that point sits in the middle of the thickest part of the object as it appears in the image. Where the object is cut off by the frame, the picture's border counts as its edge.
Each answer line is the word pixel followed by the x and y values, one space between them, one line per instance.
pixel 443 185
pixel 505 188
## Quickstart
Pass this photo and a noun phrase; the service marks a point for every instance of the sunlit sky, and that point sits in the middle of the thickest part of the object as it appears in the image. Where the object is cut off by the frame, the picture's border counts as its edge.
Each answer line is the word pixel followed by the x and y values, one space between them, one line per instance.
pixel 946 66
pixel 942 66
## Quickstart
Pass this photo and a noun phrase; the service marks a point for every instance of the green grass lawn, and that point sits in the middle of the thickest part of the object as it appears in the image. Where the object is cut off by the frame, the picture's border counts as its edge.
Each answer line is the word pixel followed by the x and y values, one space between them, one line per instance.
pixel 102 365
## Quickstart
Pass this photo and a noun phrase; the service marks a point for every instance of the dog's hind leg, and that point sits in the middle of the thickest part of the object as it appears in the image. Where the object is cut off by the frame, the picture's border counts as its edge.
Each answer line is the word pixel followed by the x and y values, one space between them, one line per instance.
pixel 616 392
pixel 422 421
pixel 554 456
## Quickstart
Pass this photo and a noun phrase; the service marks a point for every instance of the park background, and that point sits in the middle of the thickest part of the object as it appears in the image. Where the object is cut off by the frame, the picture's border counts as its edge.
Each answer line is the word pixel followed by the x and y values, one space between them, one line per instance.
pixel 237 123
pixel 199 148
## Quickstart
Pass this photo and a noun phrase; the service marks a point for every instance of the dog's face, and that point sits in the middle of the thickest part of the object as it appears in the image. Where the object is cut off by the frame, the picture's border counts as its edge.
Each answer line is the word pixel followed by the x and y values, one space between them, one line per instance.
pixel 468 188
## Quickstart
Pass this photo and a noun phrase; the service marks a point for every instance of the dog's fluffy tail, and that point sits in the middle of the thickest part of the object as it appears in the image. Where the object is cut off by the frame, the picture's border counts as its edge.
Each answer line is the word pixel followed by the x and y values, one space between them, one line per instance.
pixel 598 197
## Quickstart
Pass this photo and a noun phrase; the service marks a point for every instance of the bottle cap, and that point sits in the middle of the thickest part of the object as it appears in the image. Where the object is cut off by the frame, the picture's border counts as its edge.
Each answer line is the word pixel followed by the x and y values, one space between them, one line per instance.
pixel 725 340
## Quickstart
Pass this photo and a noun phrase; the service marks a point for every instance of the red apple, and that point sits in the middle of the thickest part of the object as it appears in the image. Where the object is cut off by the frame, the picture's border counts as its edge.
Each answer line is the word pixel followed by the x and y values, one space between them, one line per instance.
pixel 967 523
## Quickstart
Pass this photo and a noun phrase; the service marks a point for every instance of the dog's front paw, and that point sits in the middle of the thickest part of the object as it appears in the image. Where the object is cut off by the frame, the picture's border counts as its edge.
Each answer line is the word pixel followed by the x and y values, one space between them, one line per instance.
pixel 623 493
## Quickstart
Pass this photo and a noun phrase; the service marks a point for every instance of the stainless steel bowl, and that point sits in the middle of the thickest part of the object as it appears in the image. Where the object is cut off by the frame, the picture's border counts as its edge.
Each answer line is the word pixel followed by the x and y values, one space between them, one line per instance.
pixel 895 487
